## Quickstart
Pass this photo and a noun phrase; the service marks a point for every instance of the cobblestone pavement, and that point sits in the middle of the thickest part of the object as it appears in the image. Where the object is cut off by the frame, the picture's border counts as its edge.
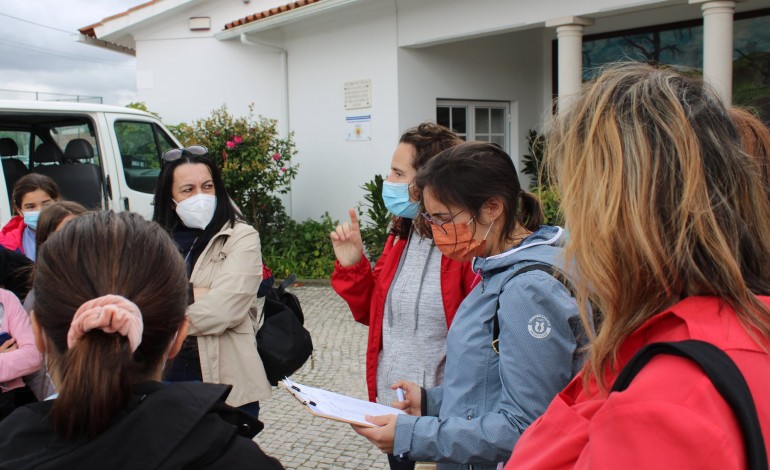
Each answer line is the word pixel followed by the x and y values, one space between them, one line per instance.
pixel 294 436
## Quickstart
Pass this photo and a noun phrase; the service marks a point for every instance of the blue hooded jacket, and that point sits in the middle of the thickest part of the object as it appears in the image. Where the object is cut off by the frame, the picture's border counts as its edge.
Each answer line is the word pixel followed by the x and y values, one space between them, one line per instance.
pixel 488 399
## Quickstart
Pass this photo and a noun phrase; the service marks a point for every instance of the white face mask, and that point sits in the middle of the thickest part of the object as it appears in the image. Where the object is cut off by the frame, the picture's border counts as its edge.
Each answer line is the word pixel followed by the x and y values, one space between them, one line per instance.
pixel 197 211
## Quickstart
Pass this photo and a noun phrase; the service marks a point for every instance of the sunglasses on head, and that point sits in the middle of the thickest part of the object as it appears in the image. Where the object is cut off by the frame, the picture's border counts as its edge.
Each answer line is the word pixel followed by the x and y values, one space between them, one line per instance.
pixel 175 154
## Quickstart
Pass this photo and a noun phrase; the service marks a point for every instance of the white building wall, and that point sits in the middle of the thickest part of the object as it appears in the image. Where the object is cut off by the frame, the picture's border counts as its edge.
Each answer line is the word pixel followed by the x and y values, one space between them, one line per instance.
pixel 183 75
pixel 357 44
pixel 184 80
pixel 506 67
pixel 414 51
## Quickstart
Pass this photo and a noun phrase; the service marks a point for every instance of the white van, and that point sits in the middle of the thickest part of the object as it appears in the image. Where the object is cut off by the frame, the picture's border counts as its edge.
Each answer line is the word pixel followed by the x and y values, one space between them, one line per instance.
pixel 104 157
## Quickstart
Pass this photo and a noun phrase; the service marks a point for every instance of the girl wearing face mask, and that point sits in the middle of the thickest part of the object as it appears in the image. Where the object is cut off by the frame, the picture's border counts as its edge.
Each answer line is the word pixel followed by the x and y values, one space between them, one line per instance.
pixel 224 265
pixel 31 194
pixel 516 339
pixel 410 298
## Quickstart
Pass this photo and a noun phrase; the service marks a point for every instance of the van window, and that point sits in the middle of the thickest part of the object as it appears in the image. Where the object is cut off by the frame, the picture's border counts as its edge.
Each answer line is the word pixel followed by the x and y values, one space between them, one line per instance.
pixel 64 134
pixel 59 145
pixel 14 154
pixel 141 144
pixel 22 140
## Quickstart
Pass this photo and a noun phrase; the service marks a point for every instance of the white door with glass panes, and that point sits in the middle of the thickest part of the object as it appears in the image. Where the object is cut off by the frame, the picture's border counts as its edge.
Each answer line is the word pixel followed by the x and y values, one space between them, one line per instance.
pixel 476 120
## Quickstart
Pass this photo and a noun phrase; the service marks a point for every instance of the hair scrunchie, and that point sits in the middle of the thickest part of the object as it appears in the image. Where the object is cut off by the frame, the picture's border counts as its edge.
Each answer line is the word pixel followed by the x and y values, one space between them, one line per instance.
pixel 111 314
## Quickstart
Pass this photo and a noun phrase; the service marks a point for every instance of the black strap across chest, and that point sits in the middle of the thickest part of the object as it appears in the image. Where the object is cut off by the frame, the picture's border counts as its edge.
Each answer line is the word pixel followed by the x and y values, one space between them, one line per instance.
pixel 725 376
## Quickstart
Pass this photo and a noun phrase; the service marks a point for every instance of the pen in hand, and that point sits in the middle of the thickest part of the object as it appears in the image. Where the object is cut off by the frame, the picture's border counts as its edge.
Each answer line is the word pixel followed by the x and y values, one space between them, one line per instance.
pixel 400 397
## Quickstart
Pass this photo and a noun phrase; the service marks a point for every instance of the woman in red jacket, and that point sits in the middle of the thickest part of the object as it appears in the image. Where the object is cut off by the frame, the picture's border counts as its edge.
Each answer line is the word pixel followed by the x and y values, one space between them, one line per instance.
pixel 409 299
pixel 670 233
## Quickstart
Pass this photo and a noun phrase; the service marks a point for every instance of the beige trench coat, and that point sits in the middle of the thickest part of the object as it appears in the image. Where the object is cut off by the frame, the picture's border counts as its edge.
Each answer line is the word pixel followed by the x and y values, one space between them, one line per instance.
pixel 225 319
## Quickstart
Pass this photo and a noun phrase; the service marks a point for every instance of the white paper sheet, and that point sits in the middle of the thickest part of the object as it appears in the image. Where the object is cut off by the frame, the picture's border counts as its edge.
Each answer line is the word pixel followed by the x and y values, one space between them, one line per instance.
pixel 336 406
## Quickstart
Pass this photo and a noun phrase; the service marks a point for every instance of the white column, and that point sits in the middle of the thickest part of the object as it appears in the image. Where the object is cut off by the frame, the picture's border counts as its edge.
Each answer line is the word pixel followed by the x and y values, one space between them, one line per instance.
pixel 569 33
pixel 718 45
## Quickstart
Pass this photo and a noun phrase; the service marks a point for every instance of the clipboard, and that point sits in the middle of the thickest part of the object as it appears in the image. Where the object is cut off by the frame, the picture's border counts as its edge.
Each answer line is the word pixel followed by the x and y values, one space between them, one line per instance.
pixel 335 406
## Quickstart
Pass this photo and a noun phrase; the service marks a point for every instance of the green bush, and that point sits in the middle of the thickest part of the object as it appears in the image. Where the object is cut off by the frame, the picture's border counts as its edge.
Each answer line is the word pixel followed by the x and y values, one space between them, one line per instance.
pixel 374 232
pixel 549 200
pixel 142 106
pixel 302 248
pixel 533 163
pixel 540 185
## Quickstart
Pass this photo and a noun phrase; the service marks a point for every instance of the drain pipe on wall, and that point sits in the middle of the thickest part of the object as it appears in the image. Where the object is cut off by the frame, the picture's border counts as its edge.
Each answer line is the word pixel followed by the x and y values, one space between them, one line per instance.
pixel 285 104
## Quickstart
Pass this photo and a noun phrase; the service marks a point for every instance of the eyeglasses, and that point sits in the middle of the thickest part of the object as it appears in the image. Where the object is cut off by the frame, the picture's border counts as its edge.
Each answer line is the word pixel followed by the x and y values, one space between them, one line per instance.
pixel 175 154
pixel 439 223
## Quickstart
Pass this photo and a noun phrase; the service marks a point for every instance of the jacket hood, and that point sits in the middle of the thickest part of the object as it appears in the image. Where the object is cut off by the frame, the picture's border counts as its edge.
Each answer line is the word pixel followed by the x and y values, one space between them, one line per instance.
pixel 11 234
pixel 16 224
pixel 543 246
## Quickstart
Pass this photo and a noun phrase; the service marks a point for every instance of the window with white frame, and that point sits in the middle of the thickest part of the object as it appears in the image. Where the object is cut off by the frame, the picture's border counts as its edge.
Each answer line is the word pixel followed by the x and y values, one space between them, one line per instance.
pixel 476 120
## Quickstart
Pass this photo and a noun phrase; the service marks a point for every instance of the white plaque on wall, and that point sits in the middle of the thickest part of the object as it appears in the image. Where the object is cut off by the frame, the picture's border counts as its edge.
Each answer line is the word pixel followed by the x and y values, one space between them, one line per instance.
pixel 358 94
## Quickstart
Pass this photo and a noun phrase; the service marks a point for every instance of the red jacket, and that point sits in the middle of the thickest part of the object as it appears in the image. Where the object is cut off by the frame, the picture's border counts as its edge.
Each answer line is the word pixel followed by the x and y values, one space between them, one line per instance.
pixel 671 416
pixel 365 292
pixel 12 234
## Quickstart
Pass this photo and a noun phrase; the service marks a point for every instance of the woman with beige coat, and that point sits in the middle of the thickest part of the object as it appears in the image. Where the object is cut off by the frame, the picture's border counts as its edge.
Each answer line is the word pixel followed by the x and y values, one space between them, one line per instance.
pixel 224 263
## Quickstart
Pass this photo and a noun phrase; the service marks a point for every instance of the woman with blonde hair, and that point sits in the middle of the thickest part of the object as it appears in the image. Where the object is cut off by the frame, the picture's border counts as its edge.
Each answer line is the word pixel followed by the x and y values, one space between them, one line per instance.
pixel 755 138
pixel 670 235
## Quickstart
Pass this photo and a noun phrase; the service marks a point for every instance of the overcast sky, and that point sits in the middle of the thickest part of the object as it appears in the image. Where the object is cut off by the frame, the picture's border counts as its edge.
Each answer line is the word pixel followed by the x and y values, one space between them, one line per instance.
pixel 38 52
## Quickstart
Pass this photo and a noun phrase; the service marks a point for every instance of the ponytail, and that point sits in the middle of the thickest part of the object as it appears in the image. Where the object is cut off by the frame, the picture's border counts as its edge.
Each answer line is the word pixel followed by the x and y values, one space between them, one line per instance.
pixel 108 311
pixel 97 367
pixel 531 212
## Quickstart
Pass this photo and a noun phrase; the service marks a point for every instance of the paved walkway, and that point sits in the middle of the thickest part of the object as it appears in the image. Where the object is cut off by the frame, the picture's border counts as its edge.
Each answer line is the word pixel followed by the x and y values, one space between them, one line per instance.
pixel 294 436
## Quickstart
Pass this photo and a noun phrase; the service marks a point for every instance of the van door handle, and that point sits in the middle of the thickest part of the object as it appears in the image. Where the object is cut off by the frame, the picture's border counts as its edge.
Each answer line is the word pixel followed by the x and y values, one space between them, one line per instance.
pixel 126 205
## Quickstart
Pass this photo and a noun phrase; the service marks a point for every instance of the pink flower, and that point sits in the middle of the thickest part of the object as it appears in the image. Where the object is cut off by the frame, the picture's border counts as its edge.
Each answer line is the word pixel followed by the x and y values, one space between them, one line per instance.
pixel 217 133
pixel 283 169
pixel 230 144
pixel 224 155
pixel 237 139
pixel 276 156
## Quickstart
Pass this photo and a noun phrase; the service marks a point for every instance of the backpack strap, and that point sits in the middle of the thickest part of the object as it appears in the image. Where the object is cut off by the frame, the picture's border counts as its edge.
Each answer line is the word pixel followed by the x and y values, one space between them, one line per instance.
pixel 286 283
pixel 277 293
pixel 547 268
pixel 725 376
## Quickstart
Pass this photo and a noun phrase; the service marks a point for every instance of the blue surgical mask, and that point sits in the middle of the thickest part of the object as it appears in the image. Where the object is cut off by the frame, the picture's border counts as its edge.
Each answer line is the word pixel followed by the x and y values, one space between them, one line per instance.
pixel 30 219
pixel 396 199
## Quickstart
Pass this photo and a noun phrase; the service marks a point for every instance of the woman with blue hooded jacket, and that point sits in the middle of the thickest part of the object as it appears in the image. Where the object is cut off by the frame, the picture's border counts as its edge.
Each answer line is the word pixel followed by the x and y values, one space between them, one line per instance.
pixel 516 340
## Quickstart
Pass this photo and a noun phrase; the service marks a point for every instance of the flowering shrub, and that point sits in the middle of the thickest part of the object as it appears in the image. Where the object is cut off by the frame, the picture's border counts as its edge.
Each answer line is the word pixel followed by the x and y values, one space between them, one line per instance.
pixel 255 163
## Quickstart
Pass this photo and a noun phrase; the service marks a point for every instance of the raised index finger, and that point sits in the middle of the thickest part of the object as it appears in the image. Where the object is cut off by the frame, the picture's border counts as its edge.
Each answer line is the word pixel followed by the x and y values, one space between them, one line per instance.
pixel 354 220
